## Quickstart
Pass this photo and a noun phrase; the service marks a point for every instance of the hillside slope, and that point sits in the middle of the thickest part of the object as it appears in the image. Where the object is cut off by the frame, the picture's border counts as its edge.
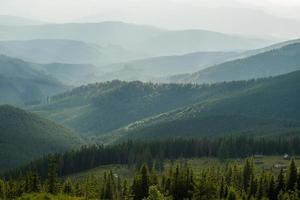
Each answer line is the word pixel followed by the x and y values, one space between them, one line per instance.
pixel 24 136
pixel 99 108
pixel 64 51
pixel 188 41
pixel 70 74
pixel 270 106
pixel 266 64
pixel 153 69
pixel 23 83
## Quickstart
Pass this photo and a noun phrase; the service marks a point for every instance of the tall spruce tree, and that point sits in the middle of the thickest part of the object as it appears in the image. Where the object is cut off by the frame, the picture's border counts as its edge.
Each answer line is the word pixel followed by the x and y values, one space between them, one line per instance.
pixel 292 176
pixel 155 194
pixel 2 189
pixel 141 183
pixel 280 186
pixel 145 180
pixel 232 195
pixel 67 187
pixel 271 191
pixel 247 173
pixel 52 175
pixel 260 190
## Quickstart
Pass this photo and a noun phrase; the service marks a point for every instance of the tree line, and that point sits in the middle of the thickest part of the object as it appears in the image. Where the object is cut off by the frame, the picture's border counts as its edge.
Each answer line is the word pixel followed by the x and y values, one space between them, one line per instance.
pixel 153 153
pixel 178 182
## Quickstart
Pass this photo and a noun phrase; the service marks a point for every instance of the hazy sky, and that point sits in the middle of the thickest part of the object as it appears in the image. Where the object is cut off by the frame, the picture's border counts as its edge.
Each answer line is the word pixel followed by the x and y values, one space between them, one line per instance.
pixel 233 16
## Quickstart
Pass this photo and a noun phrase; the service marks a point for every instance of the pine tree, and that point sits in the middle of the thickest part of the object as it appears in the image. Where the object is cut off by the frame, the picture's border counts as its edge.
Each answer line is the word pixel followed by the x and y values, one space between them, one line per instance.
pixel 90 188
pixel 141 183
pixel 136 188
pixel 155 194
pixel 247 173
pixel 260 190
pixel 232 195
pixel 253 187
pixel 78 190
pixel 52 176
pixel 292 176
pixel 2 189
pixel 67 187
pixel 271 191
pixel 280 183
pixel 109 186
pixel 222 194
pixel 205 190
pixel 35 182
pixel 32 182
pixel 125 190
pixel 145 183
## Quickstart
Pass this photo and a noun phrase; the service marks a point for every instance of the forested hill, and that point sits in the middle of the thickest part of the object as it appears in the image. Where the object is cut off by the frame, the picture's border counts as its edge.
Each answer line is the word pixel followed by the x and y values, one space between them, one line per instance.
pixel 269 107
pixel 99 108
pixel 24 136
pixel 271 63
pixel 24 83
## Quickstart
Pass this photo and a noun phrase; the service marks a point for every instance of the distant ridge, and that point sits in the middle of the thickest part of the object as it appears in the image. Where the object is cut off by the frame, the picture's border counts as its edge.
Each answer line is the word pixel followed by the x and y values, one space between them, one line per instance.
pixel 8 20
pixel 23 83
pixel 146 40
pixel 274 62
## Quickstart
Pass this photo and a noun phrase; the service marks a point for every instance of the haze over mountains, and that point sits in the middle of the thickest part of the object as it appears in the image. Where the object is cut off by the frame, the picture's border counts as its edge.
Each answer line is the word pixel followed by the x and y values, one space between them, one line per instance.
pixel 143 40
pixel 270 63
pixel 156 68
pixel 7 20
pixel 191 83
pixel 149 99
pixel 24 83
pixel 64 51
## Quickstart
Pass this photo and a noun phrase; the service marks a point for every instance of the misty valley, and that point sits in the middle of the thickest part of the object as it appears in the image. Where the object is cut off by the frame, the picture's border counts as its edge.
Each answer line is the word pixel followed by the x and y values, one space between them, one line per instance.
pixel 124 111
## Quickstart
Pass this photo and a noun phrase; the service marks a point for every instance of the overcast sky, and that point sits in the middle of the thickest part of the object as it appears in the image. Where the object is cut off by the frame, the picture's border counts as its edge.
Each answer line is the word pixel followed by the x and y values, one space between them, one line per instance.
pixel 231 16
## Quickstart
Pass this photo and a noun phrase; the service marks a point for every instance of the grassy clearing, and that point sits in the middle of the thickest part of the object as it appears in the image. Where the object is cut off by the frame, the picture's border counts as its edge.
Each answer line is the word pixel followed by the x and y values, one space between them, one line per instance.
pixel 197 164
pixel 120 170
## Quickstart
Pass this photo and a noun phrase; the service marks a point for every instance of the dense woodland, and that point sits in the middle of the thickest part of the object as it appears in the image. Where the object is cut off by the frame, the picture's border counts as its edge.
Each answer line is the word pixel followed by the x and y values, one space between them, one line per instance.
pixel 153 153
pixel 153 180
pixel 177 182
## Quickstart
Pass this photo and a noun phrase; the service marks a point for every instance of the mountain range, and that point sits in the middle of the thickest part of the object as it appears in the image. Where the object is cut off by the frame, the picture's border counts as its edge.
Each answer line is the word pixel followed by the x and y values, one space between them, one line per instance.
pixel 156 69
pixel 270 63
pixel 101 108
pixel 46 51
pixel 144 40
pixel 197 83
